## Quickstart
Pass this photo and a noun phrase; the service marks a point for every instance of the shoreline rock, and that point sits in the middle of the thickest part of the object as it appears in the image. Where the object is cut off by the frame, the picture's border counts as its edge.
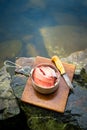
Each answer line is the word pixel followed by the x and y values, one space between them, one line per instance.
pixel 75 115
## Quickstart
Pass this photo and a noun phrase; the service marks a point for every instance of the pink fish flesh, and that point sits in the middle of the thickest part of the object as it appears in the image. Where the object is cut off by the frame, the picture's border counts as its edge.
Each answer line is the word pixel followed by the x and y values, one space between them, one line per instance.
pixel 45 76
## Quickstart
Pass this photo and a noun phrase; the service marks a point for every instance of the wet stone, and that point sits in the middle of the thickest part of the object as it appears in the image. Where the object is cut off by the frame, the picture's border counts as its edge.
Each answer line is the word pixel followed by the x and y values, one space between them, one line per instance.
pixel 8 103
pixel 75 115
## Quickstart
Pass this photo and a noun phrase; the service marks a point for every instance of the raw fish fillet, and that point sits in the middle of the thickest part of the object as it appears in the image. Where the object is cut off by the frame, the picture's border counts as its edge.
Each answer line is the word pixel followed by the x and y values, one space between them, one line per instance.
pixel 45 76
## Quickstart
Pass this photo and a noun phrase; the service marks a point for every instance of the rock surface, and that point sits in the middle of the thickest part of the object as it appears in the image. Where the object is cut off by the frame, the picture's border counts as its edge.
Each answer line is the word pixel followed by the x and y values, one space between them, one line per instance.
pixel 75 115
pixel 78 58
pixel 8 103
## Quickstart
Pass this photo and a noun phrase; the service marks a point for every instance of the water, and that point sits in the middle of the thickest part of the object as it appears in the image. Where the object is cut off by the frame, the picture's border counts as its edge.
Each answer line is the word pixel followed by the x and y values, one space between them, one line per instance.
pixel 42 27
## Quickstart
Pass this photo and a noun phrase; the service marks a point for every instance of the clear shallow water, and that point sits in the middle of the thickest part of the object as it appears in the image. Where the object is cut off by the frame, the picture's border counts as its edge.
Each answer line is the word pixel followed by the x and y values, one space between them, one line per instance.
pixel 42 27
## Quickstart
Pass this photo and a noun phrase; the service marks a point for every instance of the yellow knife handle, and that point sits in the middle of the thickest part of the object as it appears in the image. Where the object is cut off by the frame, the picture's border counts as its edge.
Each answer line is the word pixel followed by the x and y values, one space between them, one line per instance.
pixel 58 64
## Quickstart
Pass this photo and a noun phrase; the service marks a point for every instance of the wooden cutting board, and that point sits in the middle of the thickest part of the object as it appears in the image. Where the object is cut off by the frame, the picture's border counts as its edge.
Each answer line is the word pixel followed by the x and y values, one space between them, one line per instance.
pixel 55 101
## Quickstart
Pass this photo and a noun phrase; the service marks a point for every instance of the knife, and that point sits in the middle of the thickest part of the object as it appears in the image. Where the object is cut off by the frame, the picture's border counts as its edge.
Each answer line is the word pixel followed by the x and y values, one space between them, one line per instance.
pixel 60 67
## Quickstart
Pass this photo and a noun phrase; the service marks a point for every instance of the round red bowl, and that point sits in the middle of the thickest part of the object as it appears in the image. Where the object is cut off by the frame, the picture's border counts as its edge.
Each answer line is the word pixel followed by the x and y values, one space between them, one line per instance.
pixel 45 89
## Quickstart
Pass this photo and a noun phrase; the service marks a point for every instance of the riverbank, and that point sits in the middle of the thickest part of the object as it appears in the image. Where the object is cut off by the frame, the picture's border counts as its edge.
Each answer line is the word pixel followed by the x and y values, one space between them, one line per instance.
pixel 11 88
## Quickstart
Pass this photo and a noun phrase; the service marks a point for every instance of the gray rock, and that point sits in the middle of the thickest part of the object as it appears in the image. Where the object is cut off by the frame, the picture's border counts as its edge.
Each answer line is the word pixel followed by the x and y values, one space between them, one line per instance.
pixel 8 103
pixel 78 58
pixel 75 115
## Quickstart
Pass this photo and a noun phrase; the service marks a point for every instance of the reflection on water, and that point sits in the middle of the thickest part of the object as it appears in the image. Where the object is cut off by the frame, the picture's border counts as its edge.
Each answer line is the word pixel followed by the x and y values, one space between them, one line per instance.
pixel 42 27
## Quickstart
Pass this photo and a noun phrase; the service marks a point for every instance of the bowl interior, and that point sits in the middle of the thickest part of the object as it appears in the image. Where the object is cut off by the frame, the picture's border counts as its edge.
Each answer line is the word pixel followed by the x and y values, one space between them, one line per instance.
pixel 45 89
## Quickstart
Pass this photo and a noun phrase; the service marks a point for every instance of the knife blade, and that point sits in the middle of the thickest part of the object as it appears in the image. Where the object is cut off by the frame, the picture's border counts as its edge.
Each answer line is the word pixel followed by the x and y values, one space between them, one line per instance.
pixel 60 67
